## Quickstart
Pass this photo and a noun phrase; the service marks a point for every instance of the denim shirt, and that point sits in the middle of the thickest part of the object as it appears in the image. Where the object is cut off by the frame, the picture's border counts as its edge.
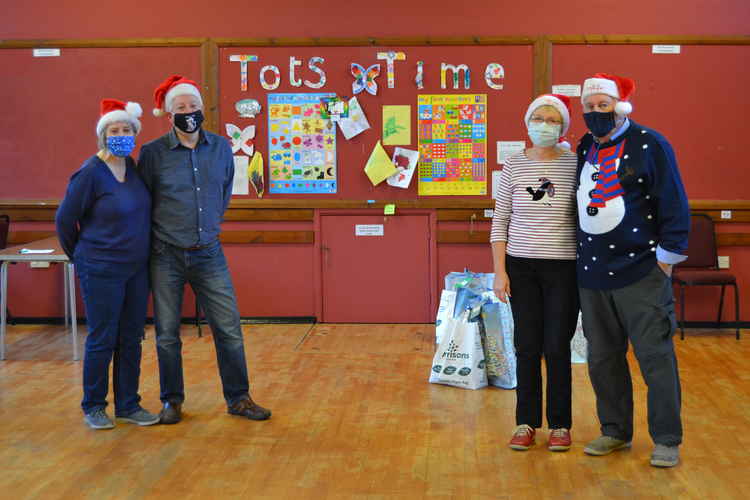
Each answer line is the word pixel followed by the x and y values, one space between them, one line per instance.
pixel 190 188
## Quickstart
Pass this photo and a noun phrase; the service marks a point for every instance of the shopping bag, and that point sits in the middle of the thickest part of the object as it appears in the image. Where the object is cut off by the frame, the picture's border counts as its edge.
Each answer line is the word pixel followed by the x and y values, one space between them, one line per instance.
pixel 467 279
pixel 459 359
pixel 497 333
pixel 445 311
pixel 579 346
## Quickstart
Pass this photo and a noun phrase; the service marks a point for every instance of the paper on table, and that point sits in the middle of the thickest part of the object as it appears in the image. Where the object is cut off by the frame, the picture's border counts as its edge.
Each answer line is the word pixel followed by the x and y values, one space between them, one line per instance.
pixel 32 251
pixel 356 122
pixel 240 185
pixel 379 167
pixel 405 161
pixel 396 125
pixel 506 149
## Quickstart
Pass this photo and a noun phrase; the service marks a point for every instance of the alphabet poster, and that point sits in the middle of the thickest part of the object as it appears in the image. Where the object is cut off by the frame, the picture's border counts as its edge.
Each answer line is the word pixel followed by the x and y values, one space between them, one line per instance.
pixel 452 144
pixel 301 144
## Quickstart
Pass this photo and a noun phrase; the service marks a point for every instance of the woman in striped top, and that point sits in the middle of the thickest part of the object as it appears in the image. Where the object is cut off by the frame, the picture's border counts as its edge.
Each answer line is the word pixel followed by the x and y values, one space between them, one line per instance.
pixel 534 253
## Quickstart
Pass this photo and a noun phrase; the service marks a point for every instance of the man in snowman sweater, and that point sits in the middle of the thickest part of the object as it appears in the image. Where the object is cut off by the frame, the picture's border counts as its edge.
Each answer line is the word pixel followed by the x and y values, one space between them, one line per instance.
pixel 634 221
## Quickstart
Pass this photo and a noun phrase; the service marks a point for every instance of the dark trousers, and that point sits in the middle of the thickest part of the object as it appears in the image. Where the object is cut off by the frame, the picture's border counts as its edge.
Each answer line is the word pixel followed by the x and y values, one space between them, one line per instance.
pixel 643 313
pixel 206 271
pixel 544 300
pixel 116 297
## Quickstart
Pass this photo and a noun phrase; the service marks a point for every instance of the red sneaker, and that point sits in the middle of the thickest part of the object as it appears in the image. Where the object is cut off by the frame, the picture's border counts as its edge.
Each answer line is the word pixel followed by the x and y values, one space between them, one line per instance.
pixel 559 440
pixel 523 438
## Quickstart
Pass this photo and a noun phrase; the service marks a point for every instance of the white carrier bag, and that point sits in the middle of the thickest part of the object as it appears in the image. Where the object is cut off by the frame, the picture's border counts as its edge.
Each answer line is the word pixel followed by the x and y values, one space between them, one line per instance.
pixel 459 359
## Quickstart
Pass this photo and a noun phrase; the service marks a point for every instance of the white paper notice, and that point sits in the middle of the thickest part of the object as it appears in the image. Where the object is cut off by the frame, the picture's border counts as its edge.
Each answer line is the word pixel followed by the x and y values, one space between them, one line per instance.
pixel 495 182
pixel 488 213
pixel 568 90
pixel 506 149
pixel 240 185
pixel 356 122
pixel 665 49
pixel 406 162
pixel 46 52
pixel 368 230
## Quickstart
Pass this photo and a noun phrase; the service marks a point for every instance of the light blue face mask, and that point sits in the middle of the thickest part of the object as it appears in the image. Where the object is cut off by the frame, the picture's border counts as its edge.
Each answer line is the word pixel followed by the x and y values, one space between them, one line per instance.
pixel 121 145
pixel 543 134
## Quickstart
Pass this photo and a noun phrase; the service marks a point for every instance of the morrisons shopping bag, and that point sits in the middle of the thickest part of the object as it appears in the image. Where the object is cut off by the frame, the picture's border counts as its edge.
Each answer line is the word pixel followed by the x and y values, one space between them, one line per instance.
pixel 459 359
pixel 444 313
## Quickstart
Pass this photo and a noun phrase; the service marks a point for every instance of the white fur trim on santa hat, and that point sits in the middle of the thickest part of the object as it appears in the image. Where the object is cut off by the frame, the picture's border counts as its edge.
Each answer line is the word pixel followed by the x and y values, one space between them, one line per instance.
pixel 131 116
pixel 599 86
pixel 549 100
pixel 181 89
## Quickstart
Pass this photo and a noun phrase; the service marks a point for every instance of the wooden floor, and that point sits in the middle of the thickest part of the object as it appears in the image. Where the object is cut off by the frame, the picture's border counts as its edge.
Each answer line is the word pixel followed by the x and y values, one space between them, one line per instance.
pixel 353 418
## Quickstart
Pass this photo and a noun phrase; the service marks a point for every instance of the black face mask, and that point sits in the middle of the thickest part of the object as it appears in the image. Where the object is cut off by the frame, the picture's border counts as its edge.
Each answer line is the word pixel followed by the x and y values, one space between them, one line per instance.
pixel 188 122
pixel 600 124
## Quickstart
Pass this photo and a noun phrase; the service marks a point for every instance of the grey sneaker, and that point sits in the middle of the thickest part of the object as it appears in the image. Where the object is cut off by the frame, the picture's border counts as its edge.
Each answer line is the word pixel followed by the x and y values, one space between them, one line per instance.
pixel 604 445
pixel 140 417
pixel 98 419
pixel 665 456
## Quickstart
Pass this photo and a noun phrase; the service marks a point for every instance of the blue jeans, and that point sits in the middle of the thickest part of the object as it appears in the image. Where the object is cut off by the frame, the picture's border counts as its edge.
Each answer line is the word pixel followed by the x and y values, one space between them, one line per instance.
pixel 116 298
pixel 206 271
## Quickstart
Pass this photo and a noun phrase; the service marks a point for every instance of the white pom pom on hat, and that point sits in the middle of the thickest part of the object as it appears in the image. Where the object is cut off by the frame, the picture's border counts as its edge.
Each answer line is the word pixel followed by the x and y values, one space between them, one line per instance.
pixel 619 87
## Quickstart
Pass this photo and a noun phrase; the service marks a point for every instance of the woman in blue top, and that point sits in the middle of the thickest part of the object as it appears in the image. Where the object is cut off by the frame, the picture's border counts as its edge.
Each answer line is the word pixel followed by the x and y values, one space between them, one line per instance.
pixel 103 225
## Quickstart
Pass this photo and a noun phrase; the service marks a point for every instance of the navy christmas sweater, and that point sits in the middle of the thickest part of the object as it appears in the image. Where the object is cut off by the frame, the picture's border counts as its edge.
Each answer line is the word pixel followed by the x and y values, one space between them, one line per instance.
pixel 632 208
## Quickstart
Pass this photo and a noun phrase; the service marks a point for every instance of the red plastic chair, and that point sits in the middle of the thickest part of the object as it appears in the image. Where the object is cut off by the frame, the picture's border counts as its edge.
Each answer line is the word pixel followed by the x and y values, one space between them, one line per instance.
pixel 701 269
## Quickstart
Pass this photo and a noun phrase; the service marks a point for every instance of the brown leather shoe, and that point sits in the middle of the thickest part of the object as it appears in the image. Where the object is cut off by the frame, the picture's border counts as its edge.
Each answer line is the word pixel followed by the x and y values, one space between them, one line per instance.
pixel 249 409
pixel 170 413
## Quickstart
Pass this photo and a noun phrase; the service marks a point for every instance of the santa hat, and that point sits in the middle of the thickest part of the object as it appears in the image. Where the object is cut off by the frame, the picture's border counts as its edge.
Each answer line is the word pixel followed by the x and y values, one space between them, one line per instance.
pixel 113 110
pixel 619 87
pixel 169 89
pixel 558 101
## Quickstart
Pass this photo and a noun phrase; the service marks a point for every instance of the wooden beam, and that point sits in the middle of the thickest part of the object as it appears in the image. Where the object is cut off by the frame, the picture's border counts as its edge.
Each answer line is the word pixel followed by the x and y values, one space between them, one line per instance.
pixel 210 76
pixel 65 43
pixel 21 237
pixel 737 215
pixel 648 40
pixel 482 237
pixel 254 214
pixel 542 83
pixel 461 215
pixel 732 239
pixel 372 41
pixel 277 237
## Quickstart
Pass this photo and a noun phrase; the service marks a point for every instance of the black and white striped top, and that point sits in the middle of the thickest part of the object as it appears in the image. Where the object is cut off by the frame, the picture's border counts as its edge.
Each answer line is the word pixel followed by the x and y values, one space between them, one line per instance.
pixel 535 207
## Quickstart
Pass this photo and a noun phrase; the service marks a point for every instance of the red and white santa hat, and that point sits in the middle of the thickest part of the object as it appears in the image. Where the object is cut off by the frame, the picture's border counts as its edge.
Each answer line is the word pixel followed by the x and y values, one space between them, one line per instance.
pixel 169 89
pixel 558 101
pixel 114 110
pixel 619 87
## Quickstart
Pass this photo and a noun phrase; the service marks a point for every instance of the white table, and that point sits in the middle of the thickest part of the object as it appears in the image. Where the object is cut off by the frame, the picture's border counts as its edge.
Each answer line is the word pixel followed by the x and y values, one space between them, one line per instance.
pixel 11 254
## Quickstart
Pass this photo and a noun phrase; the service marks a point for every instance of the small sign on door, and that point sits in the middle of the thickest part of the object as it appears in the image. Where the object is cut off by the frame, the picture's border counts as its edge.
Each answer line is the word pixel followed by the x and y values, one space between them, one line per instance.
pixel 368 230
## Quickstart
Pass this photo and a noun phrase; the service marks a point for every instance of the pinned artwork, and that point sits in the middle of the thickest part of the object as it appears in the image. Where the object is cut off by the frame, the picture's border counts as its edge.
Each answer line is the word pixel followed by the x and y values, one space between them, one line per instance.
pixel 356 122
pixel 452 131
pixel 276 75
pixel 419 79
pixel 494 71
pixel 239 182
pixel 379 167
pixel 301 144
pixel 293 80
pixel 334 108
pixel 241 139
pixel 247 108
pixel 312 65
pixel 255 173
pixel 396 125
pixel 243 59
pixel 364 79
pixel 389 58
pixel 444 68
pixel 405 161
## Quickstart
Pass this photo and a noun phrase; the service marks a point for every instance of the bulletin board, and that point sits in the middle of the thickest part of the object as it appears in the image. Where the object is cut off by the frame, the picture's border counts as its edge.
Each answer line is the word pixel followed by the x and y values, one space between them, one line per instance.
pixel 505 107
pixel 697 99
pixel 51 107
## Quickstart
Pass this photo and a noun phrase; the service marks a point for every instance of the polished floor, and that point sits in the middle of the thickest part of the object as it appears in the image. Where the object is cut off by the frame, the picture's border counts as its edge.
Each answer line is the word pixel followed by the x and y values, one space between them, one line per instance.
pixel 354 418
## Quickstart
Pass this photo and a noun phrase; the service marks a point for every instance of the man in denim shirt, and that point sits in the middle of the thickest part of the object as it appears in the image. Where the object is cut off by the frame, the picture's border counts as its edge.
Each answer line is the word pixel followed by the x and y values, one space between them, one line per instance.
pixel 189 172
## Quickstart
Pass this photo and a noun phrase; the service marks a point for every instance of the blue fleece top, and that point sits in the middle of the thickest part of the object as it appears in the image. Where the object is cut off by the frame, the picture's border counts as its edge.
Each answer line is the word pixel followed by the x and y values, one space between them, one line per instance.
pixel 103 218
pixel 637 212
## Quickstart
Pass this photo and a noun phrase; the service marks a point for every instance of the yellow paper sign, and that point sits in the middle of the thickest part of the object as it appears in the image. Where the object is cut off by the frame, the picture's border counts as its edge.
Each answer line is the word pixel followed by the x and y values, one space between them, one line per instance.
pixel 389 209
pixel 396 125
pixel 379 167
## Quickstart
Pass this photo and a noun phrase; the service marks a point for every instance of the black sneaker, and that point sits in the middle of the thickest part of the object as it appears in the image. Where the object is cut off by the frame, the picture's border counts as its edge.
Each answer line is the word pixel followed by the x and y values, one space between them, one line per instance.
pixel 170 413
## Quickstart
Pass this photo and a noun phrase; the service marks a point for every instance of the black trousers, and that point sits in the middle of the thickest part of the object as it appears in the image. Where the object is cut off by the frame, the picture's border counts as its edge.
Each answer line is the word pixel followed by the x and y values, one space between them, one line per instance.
pixel 544 300
pixel 643 313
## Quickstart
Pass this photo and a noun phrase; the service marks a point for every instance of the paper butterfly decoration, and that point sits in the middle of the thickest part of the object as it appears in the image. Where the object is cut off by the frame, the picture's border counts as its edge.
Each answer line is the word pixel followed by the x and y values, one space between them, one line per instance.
pixel 365 79
pixel 242 139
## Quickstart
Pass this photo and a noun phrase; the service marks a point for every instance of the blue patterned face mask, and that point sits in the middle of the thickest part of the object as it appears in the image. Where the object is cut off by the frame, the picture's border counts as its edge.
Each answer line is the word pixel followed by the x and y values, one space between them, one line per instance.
pixel 121 145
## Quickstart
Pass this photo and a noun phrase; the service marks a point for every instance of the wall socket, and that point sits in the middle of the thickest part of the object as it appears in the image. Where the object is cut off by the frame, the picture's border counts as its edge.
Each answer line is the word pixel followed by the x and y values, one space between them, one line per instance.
pixel 723 261
pixel 35 263
pixel 726 214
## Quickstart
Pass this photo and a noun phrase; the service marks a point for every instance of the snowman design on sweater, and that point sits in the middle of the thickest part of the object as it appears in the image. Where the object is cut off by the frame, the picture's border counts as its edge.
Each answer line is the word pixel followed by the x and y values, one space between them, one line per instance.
pixel 600 204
